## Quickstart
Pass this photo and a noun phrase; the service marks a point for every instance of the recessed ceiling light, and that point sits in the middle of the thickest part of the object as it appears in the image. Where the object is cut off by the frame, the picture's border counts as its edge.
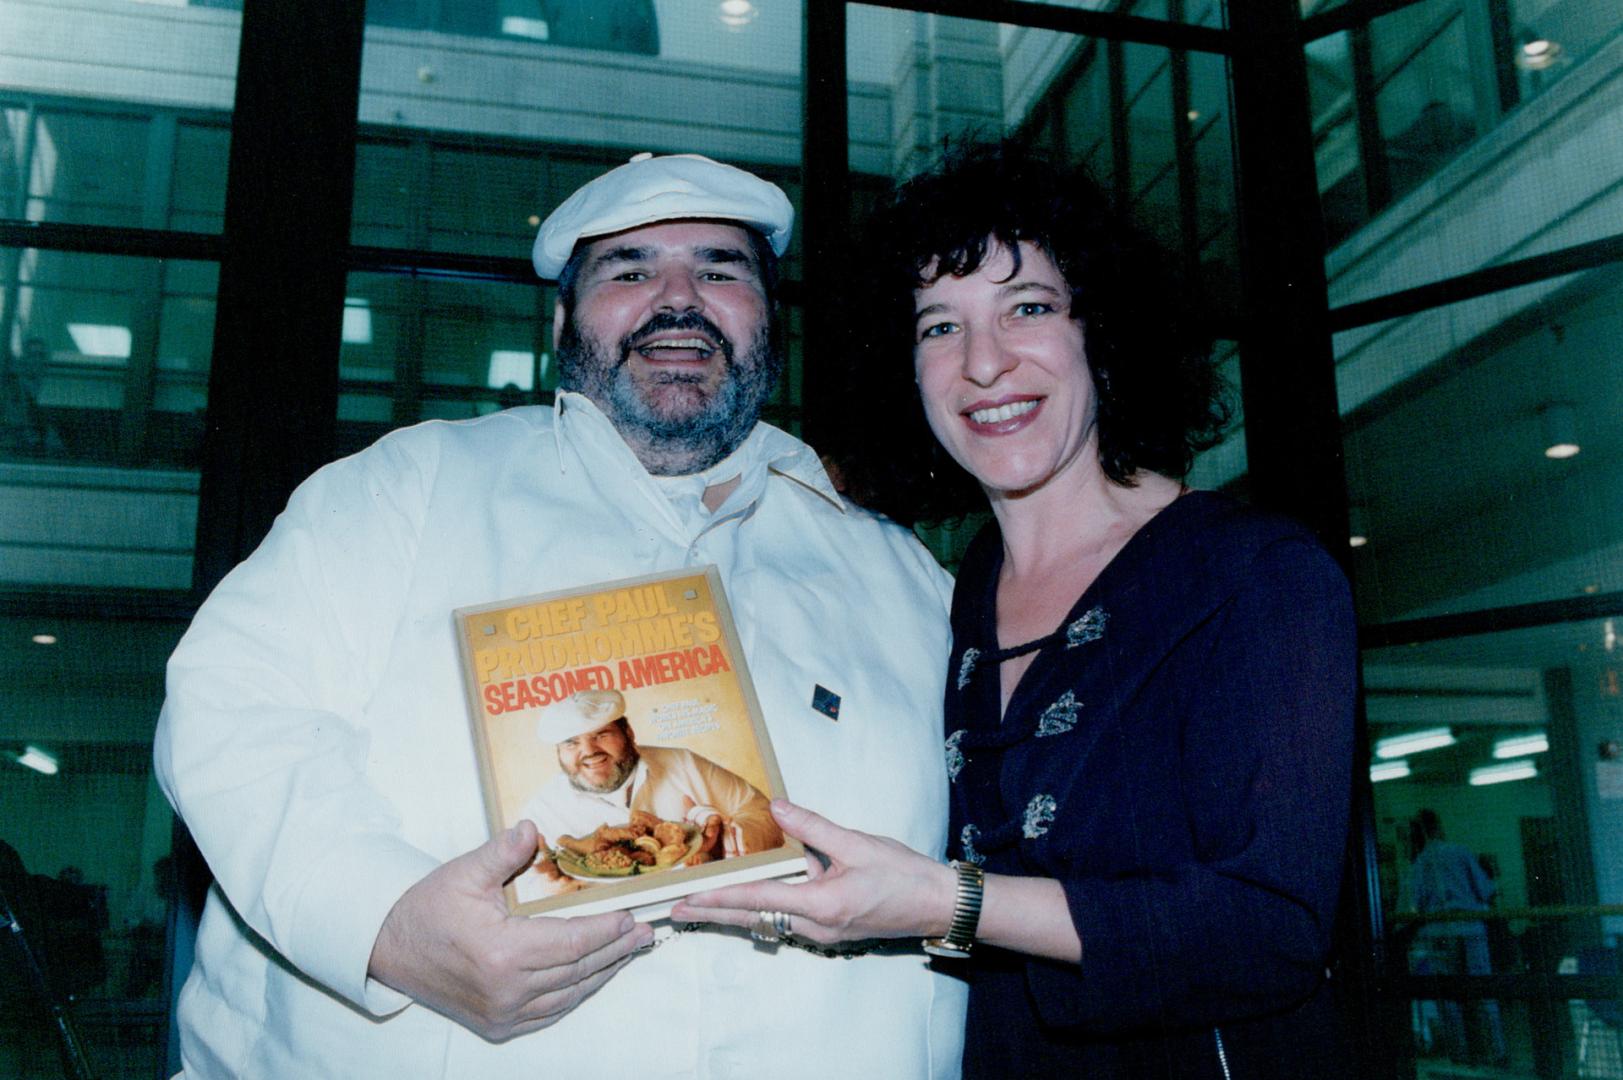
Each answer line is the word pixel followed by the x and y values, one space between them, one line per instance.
pixel 98 339
pixel 1592 588
pixel 534 219
pixel 735 14
pixel 1388 770
pixel 357 326
pixel 1357 526
pixel 1193 114
pixel 511 367
pixel 1413 742
pixel 1502 773
pixel 1521 745
pixel 44 639
pixel 1537 54
pixel 34 758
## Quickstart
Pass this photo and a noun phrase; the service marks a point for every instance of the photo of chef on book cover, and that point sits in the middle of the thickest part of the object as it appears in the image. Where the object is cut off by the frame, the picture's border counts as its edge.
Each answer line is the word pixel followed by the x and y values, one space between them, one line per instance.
pixel 620 718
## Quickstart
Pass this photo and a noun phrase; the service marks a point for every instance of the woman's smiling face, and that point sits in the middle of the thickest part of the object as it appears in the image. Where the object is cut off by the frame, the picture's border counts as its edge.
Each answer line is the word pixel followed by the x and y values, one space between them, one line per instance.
pixel 1003 372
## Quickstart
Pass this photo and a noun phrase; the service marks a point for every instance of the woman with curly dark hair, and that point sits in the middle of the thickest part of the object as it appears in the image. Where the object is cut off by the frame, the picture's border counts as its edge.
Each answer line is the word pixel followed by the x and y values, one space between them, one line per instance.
pixel 1149 706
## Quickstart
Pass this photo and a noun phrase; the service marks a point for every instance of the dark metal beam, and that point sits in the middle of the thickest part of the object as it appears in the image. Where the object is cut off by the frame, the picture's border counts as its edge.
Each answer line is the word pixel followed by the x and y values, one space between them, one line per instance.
pixel 1349 15
pixel 105 240
pixel 1491 279
pixel 1491 620
pixel 825 223
pixel 1101 24
pixel 273 380
pixel 1292 423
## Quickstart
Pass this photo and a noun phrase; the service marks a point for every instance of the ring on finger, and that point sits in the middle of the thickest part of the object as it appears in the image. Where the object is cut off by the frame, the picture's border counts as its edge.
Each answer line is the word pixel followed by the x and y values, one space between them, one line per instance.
pixel 782 926
pixel 763 927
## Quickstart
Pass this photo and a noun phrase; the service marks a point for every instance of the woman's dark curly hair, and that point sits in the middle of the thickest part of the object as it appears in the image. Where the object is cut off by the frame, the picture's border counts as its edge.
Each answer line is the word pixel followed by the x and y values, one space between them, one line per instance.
pixel 1159 397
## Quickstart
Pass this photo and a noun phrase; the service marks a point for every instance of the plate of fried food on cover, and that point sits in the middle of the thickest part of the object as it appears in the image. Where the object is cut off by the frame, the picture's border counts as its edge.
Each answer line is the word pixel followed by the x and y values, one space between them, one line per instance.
pixel 646 844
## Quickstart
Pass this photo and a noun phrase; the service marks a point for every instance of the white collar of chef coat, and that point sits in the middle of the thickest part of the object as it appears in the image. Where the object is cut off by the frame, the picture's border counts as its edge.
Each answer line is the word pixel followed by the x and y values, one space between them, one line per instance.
pixel 765 447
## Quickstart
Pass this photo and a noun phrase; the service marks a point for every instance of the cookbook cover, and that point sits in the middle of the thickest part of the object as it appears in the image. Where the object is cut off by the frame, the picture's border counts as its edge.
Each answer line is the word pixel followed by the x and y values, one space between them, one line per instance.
pixel 620 718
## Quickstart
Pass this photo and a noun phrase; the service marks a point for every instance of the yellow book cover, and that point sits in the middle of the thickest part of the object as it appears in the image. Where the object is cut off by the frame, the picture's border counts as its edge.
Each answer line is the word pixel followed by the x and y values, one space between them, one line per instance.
pixel 621 719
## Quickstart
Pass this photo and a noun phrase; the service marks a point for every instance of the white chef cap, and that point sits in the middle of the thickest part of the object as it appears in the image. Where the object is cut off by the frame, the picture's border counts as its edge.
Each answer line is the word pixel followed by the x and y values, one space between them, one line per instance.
pixel 649 189
pixel 582 711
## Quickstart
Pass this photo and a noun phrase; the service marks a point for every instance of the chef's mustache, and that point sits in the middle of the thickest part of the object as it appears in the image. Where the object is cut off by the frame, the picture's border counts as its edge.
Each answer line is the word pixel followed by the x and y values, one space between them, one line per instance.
pixel 667 321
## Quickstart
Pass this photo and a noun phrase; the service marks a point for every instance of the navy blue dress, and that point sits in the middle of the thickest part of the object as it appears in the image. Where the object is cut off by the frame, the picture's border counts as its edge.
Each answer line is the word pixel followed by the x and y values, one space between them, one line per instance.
pixel 1178 756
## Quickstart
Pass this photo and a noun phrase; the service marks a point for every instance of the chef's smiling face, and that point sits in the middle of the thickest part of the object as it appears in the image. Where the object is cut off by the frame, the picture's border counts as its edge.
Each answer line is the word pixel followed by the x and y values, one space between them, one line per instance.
pixel 601 760
pixel 669 336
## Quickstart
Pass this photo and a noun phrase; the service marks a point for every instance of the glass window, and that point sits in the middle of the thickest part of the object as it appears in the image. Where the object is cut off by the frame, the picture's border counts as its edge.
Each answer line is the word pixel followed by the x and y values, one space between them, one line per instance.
pixel 1497 839
pixel 466 149
pixel 1217 243
pixel 1550 38
pixel 105 383
pixel 1482 467
pixel 1478 152
pixel 1223 467
pixel 1086 113
pixel 1196 12
pixel 1424 101
pixel 86 167
pixel 624 26
pixel 484 202
pixel 1153 132
pixel 987 79
pixel 81 141
pixel 84 840
pixel 201 153
pixel 1486 427
pixel 114 116
pixel 1336 149
pixel 106 361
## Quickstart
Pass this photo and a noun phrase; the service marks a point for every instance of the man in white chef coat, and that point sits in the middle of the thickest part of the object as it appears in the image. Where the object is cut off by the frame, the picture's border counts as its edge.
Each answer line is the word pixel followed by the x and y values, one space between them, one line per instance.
pixel 315 736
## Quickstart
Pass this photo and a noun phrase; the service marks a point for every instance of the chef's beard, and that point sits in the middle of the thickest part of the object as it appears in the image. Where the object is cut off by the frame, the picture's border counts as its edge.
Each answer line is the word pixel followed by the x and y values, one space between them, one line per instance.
pixel 622 772
pixel 686 436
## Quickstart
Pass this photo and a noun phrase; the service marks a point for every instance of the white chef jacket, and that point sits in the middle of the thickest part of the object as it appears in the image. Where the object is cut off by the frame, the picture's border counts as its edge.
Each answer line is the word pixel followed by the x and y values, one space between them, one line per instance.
pixel 316 742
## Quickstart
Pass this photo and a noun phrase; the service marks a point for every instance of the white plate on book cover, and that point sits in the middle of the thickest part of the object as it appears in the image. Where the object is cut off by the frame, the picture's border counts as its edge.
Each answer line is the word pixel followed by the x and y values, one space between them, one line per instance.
pixel 572 864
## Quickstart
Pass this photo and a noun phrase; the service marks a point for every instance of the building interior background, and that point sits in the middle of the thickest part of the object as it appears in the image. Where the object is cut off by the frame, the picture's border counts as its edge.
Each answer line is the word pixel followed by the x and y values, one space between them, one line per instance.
pixel 1466 194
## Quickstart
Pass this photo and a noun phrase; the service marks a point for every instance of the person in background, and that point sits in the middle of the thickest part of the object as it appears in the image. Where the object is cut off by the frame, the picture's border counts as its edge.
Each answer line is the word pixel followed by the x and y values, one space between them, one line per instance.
pixel 1449 878
pixel 1149 708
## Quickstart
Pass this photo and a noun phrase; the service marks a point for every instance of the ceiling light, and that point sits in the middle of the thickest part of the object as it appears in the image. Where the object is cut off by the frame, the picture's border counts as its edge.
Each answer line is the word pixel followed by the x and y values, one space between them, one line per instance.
pixel 1388 770
pixel 735 14
pixel 520 26
pixel 95 339
pixel 357 321
pixel 1521 745
pixel 34 758
pixel 1503 773
pixel 1560 431
pixel 44 639
pixel 1193 114
pixel 1537 53
pixel 1414 742
pixel 534 219
pixel 511 367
